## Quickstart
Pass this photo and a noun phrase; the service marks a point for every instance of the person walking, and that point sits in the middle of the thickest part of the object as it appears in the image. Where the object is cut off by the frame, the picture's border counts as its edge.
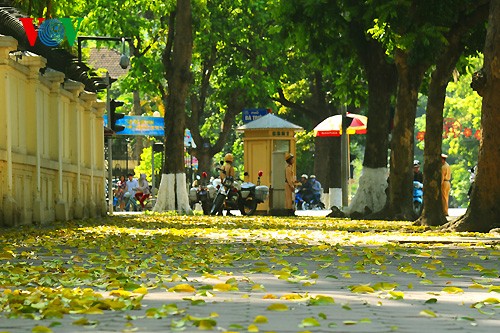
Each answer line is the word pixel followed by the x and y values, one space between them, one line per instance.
pixel 121 188
pixel 143 191
pixel 227 170
pixel 132 185
pixel 290 182
pixel 445 183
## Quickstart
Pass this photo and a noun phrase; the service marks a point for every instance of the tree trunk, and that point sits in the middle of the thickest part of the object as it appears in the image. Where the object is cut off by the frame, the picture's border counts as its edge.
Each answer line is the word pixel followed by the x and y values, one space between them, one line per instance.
pixel 139 140
pixel 371 194
pixel 326 162
pixel 400 200
pixel 483 213
pixel 433 208
pixel 173 187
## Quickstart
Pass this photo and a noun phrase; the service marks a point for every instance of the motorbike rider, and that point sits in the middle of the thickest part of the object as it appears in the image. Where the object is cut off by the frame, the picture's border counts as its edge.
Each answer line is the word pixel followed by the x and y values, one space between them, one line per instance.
pixel 315 188
pixel 227 170
pixel 305 188
pixel 417 174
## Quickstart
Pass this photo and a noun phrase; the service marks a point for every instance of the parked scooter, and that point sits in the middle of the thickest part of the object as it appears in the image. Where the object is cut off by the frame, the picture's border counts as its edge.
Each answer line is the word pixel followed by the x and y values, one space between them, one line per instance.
pixel 202 193
pixel 418 197
pixel 244 197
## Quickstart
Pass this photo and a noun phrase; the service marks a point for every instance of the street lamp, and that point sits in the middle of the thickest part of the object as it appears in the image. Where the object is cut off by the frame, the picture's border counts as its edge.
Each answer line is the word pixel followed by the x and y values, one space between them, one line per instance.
pixel 124 59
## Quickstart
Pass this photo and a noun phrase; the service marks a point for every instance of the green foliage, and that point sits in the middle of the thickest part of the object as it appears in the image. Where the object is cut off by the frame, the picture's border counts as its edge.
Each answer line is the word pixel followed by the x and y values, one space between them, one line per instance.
pixel 145 164
pixel 305 152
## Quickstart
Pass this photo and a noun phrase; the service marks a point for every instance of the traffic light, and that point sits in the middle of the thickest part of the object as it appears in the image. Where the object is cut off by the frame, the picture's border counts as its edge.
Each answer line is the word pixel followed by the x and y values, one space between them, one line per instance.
pixel 115 116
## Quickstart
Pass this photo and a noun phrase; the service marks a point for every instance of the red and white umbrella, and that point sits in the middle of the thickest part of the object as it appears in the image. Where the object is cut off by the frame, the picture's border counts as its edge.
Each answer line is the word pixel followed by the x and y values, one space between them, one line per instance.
pixel 332 126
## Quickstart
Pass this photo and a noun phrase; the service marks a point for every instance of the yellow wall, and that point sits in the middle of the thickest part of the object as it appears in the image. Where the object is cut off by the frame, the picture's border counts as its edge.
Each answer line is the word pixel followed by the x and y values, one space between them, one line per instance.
pixel 51 143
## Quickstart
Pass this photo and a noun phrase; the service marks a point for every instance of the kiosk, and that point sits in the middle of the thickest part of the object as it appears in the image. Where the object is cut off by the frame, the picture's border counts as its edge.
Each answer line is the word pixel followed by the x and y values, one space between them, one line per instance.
pixel 266 141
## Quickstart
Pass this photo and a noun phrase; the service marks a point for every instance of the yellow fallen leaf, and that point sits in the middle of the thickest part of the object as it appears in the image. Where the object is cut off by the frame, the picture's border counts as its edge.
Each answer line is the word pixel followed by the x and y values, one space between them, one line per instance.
pixel 41 329
pixel 260 320
pixel 270 296
pixel 289 297
pixel 476 285
pixel 7 255
pixel 141 290
pixel 278 307
pixel 182 288
pixel 453 290
pixel 223 287
pixel 206 325
pixel 308 322
pixel 396 294
pixel 428 313
pixel 252 328
pixel 120 293
pixel 491 300
pixel 257 287
pixel 362 289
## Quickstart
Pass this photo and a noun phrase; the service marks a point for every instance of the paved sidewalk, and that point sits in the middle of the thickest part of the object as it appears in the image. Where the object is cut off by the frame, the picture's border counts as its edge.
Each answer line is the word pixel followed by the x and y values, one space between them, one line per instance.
pixel 307 279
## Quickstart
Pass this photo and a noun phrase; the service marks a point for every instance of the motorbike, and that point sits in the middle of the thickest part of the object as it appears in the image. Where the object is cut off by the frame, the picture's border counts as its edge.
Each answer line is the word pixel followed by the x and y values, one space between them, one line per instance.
pixel 244 197
pixel 418 197
pixel 202 193
pixel 306 202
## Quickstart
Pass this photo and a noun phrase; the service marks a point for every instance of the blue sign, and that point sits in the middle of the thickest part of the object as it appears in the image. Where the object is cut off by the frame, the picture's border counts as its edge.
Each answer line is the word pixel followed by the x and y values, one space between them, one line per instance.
pixel 254 114
pixel 151 126
pixel 138 125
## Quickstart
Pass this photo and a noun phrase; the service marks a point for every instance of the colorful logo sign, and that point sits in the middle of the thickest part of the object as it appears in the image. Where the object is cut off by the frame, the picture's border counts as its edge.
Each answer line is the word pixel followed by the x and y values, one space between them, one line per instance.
pixel 51 32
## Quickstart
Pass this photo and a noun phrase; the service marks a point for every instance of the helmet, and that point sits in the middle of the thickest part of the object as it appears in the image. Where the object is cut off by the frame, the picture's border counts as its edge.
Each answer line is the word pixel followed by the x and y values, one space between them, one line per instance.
pixel 228 157
pixel 288 156
pixel 416 163
pixel 312 176
pixel 304 176
pixel 444 156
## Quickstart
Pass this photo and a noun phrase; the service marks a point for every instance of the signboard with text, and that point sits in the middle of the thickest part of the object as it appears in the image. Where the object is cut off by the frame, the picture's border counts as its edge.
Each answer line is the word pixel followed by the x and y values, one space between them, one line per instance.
pixel 254 114
pixel 150 126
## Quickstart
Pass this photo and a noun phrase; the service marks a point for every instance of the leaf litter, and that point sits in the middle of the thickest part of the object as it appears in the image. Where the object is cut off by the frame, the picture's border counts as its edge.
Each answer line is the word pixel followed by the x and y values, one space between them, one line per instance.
pixel 94 267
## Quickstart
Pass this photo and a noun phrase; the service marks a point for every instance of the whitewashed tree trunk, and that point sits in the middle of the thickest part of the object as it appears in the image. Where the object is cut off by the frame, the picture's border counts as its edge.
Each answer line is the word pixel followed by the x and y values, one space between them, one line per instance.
pixel 172 194
pixel 371 191
pixel 182 194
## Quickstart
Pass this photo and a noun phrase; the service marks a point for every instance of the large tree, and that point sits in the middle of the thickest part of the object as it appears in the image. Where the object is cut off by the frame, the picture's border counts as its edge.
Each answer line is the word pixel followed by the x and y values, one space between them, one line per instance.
pixel 172 194
pixel 456 39
pixel 233 66
pixel 483 213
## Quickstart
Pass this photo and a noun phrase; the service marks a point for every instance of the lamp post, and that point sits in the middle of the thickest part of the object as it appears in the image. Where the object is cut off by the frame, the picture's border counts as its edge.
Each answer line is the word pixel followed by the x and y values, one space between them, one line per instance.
pixel 124 62
pixel 344 167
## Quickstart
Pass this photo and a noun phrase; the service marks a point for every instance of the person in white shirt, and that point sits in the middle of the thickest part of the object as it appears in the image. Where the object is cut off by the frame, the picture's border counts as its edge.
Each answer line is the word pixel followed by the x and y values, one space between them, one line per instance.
pixel 132 185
